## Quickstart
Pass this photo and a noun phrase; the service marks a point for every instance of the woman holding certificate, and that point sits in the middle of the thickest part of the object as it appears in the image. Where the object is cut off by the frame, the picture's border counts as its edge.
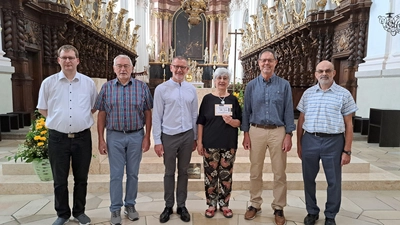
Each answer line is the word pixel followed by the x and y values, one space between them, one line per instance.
pixel 220 116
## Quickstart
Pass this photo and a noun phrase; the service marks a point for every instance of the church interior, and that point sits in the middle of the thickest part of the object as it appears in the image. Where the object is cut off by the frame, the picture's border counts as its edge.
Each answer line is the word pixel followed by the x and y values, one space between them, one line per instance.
pixel 360 37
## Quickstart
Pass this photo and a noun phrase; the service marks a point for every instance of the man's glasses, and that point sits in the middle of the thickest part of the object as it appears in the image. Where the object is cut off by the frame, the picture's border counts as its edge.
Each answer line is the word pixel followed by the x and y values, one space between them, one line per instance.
pixel 267 60
pixel 67 58
pixel 126 66
pixel 179 67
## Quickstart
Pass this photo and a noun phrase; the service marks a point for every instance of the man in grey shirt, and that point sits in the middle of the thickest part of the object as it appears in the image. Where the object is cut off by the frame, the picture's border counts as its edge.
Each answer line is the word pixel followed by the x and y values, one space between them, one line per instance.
pixel 268 122
pixel 174 131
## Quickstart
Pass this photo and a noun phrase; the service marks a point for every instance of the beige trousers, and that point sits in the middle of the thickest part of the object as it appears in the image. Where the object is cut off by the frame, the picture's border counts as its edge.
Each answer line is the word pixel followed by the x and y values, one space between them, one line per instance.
pixel 261 139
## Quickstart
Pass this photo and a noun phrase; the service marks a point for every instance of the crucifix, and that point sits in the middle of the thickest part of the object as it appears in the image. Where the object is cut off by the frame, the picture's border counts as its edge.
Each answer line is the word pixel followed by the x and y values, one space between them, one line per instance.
pixel 234 61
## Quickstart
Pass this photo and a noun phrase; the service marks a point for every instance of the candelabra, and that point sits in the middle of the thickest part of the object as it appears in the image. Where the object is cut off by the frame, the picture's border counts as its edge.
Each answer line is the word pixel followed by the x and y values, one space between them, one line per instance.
pixel 163 66
pixel 390 23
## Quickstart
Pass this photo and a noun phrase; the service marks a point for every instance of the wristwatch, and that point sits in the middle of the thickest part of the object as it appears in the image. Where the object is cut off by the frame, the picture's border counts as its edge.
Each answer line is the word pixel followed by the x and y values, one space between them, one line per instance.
pixel 347 152
pixel 290 133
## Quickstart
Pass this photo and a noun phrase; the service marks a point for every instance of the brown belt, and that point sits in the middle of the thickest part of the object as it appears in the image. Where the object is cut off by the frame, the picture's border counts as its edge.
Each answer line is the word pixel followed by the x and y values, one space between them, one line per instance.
pixel 264 126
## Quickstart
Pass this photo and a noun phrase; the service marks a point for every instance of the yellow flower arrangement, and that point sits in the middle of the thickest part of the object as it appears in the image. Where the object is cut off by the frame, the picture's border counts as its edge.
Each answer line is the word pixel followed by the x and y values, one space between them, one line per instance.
pixel 239 93
pixel 35 146
pixel 240 96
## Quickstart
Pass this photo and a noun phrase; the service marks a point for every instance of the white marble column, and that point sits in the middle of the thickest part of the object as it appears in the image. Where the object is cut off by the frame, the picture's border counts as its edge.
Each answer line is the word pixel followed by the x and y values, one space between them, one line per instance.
pixel 393 61
pixel 159 35
pixel 5 79
pixel 166 35
pixel 212 37
pixel 170 30
pixel 141 18
pixel 221 18
pixel 379 77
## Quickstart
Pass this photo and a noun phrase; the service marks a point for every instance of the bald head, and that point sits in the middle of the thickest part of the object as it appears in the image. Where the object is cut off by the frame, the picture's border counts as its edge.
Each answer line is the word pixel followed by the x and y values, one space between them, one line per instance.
pixel 324 73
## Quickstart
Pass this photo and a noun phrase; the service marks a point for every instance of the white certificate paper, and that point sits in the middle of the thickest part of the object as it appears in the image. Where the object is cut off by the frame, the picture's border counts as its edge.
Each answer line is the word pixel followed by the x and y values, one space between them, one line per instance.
pixel 225 109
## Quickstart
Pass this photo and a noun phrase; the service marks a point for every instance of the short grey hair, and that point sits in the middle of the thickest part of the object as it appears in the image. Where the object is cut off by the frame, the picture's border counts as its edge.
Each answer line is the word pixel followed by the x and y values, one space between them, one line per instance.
pixel 222 72
pixel 123 56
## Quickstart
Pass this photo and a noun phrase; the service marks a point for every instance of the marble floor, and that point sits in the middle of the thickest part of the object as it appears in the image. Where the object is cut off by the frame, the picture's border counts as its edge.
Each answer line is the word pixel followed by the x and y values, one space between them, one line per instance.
pixel 358 207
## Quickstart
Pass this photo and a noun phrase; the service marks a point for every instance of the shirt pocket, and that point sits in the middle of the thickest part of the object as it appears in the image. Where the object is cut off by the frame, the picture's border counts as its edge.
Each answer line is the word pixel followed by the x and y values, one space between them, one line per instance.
pixel 277 97
pixel 84 101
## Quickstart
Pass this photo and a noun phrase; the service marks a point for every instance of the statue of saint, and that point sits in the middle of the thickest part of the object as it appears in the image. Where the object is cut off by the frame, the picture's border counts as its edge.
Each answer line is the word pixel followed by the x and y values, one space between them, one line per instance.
pixel 226 50
pixel 206 55
pixel 171 53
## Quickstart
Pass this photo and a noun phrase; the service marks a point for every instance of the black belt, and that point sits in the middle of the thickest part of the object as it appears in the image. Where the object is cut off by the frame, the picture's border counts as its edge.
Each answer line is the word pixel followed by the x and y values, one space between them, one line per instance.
pixel 264 126
pixel 70 135
pixel 317 134
pixel 128 131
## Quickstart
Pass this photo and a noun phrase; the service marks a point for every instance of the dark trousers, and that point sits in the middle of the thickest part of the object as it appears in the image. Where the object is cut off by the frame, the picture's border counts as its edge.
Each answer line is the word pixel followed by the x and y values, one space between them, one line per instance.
pixel 63 153
pixel 179 146
pixel 329 151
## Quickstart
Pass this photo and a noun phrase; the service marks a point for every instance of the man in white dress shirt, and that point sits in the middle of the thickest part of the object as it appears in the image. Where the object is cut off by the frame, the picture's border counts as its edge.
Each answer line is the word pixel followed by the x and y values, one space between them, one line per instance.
pixel 66 99
pixel 174 131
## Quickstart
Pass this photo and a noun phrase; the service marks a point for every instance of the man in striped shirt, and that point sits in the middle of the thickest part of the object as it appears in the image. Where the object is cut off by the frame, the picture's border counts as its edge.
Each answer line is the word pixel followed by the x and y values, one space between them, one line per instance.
pixel 324 132
pixel 124 105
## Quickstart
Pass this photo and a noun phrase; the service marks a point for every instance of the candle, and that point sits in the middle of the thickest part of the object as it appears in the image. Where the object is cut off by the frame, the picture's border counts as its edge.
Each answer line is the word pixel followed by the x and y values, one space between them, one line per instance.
pixel 164 71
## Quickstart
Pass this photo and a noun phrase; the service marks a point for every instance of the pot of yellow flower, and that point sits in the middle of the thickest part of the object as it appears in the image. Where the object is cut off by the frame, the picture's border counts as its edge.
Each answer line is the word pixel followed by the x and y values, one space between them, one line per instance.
pixel 35 149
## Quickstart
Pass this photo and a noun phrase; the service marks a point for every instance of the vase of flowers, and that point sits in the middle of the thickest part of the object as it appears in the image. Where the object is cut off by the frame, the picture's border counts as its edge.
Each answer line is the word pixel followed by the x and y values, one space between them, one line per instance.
pixel 35 149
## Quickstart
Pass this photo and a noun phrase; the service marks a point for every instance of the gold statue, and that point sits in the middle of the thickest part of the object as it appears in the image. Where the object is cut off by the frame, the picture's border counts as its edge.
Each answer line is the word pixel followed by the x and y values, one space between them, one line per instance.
pixel 120 21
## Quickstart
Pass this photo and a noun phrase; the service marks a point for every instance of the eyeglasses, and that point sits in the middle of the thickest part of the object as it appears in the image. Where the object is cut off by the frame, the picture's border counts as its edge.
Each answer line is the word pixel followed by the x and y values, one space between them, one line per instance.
pixel 267 60
pixel 67 58
pixel 326 71
pixel 126 66
pixel 179 67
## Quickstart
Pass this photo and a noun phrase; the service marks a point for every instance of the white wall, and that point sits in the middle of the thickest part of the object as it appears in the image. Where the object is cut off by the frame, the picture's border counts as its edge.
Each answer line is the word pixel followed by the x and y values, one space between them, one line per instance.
pixel 379 77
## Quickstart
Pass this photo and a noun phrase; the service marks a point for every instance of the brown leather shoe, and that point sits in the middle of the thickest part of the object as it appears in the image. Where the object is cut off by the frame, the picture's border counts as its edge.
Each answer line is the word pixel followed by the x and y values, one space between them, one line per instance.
pixel 279 217
pixel 251 213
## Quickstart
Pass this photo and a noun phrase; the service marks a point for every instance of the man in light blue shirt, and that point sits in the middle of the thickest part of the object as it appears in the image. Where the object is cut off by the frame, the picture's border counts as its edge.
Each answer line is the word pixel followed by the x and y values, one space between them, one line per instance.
pixel 174 131
pixel 268 123
pixel 324 132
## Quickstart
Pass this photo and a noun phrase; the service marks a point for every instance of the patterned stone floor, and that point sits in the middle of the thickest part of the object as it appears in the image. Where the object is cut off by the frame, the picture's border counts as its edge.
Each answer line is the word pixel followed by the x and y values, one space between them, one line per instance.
pixel 358 207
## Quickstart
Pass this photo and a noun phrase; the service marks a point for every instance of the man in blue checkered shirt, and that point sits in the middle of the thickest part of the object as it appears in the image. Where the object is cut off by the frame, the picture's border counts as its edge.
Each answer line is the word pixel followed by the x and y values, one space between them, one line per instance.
pixel 324 132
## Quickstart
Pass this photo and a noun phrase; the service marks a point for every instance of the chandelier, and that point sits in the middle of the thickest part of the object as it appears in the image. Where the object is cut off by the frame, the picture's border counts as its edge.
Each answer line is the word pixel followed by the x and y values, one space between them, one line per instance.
pixel 390 23
pixel 194 8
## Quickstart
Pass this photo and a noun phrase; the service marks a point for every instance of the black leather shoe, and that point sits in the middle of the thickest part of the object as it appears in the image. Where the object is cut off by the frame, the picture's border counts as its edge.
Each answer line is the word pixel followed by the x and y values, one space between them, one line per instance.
pixel 164 217
pixel 330 221
pixel 185 216
pixel 310 219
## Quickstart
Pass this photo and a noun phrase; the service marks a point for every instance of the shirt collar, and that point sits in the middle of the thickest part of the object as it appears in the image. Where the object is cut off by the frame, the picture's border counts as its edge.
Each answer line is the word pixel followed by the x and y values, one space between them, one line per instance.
pixel 334 87
pixel 61 75
pixel 175 83
pixel 116 82
pixel 270 80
